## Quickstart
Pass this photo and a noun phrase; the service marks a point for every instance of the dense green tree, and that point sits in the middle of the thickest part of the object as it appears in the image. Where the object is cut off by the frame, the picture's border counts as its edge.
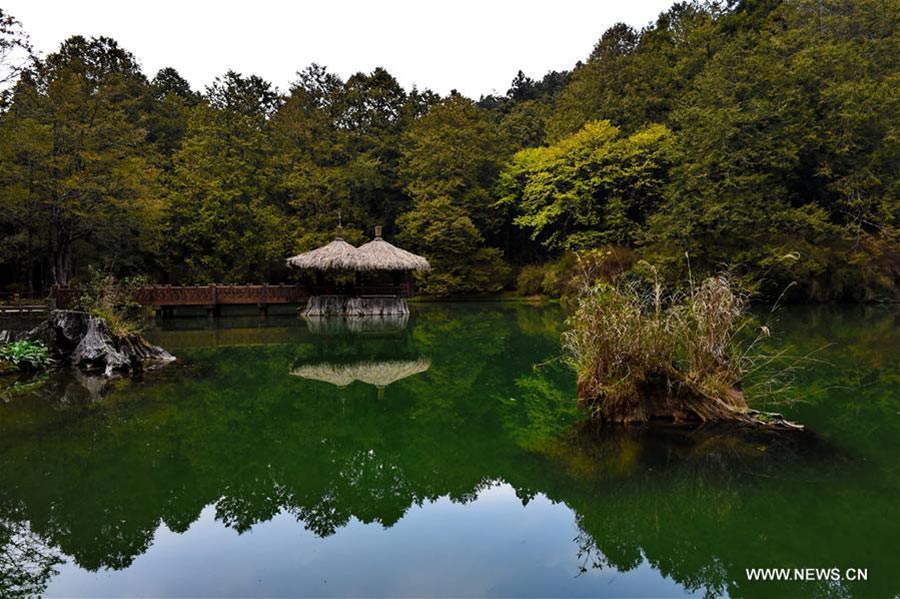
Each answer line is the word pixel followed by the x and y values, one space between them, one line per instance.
pixel 522 113
pixel 451 157
pixel 525 89
pixel 787 153
pixel 455 151
pixel 73 158
pixel 309 159
pixel 633 78
pixel 170 99
pixel 440 228
pixel 373 118
pixel 223 225
pixel 336 152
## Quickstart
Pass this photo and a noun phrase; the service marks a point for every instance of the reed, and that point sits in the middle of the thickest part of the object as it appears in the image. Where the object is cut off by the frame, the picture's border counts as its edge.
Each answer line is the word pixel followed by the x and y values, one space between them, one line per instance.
pixel 643 354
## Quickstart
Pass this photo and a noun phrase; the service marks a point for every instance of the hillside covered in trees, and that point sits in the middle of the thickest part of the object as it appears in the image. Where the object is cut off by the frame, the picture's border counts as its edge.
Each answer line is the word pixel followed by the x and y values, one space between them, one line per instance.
pixel 759 135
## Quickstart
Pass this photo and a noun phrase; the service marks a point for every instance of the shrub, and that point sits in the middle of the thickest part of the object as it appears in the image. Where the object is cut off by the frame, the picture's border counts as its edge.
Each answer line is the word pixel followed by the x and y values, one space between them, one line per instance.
pixel 483 271
pixel 564 277
pixel 26 354
pixel 112 299
pixel 530 280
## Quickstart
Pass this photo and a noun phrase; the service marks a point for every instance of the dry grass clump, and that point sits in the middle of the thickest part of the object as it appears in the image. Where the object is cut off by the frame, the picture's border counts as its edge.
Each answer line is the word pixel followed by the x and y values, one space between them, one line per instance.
pixel 643 355
pixel 112 299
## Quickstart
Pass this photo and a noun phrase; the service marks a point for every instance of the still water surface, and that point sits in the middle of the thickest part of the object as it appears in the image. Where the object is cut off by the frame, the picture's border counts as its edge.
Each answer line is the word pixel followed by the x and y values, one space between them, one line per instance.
pixel 440 456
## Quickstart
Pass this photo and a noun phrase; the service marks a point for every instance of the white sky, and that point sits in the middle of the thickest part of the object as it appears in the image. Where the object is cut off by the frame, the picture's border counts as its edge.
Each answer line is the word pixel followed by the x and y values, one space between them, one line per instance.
pixel 475 46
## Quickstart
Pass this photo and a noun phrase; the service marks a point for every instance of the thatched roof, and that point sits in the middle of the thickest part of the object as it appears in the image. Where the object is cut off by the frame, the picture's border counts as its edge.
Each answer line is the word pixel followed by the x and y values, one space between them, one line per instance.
pixel 380 373
pixel 378 254
pixel 337 255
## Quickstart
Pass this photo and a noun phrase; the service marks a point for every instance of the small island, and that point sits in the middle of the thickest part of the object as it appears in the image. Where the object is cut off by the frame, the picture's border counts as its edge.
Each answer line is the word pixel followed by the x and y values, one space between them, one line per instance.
pixel 644 357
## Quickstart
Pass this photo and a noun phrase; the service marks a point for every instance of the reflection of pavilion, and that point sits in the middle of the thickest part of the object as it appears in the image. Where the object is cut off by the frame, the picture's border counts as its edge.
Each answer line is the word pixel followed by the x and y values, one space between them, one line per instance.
pixel 379 373
pixel 330 325
pixel 374 350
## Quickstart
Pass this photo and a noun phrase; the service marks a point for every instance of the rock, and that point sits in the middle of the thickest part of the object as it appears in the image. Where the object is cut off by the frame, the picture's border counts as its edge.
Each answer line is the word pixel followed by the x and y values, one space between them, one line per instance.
pixel 8 368
pixel 86 341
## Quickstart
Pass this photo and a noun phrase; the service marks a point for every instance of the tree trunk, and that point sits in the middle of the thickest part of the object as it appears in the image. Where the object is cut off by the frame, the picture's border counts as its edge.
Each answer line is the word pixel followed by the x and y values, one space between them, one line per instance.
pixel 674 403
pixel 61 260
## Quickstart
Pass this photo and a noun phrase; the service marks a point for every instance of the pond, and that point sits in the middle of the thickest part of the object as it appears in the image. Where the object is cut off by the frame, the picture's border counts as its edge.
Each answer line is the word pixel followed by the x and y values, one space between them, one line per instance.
pixel 441 455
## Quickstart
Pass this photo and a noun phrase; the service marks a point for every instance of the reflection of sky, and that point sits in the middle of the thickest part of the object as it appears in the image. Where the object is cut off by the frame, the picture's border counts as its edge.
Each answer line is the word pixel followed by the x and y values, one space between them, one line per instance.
pixel 492 546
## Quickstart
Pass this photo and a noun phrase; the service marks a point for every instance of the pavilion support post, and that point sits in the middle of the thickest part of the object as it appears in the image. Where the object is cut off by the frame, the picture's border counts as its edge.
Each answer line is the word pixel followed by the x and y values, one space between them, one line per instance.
pixel 263 310
pixel 212 311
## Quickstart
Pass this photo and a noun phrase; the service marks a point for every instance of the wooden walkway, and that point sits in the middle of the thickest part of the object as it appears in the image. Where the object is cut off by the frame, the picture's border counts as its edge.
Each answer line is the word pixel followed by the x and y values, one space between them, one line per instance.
pixel 18 310
pixel 165 298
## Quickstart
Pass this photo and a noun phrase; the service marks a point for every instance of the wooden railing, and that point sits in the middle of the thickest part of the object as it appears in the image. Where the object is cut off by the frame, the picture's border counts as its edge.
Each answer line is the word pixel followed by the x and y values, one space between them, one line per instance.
pixel 218 295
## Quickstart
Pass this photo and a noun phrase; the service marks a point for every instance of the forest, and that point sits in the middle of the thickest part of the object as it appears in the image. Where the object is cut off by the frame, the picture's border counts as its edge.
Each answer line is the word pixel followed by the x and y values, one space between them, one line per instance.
pixel 759 136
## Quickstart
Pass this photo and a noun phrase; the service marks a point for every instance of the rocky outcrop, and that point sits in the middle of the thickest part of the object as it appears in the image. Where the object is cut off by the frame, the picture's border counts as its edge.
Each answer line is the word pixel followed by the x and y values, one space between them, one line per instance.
pixel 86 341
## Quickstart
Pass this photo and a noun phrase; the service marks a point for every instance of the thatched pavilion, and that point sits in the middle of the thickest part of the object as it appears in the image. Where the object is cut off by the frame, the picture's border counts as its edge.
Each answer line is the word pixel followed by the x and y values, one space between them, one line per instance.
pixel 382 277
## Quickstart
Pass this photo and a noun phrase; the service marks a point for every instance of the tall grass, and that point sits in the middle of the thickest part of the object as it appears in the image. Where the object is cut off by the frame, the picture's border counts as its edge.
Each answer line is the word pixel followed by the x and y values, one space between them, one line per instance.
pixel 643 354
pixel 112 299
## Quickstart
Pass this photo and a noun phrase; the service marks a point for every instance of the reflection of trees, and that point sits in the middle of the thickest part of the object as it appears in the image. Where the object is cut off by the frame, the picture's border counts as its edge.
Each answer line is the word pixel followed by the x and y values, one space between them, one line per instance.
pixel 26 561
pixel 229 427
pixel 703 506
pixel 853 391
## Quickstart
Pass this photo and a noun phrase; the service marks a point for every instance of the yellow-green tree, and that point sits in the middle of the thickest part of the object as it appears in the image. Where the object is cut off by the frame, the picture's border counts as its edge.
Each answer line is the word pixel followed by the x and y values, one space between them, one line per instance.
pixel 592 188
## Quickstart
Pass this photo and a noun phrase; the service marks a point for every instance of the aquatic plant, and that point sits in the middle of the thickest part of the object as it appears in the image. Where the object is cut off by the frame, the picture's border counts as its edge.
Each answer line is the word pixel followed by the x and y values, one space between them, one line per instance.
pixel 26 354
pixel 642 354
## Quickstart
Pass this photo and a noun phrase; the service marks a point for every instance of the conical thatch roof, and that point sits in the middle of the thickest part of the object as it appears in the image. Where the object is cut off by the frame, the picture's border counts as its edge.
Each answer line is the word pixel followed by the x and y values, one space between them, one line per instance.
pixel 380 373
pixel 378 254
pixel 337 255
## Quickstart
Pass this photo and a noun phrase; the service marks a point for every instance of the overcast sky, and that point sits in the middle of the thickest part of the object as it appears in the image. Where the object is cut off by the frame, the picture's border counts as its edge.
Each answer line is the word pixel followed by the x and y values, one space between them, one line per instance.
pixel 475 46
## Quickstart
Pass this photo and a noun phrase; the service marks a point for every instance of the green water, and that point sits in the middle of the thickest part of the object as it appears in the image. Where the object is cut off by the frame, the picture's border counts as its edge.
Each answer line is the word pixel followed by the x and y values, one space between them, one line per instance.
pixel 230 473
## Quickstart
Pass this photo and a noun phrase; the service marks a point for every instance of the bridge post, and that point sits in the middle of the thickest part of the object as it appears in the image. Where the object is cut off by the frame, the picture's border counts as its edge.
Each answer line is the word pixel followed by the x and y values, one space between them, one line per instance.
pixel 212 309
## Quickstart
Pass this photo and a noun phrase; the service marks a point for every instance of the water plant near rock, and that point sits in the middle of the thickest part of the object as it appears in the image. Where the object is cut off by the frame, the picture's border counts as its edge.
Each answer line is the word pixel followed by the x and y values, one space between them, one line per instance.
pixel 88 342
pixel 642 355
pixel 25 354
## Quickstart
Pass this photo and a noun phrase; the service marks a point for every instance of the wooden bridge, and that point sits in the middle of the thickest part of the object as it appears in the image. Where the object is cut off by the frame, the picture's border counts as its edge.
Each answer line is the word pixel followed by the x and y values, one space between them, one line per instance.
pixel 166 298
